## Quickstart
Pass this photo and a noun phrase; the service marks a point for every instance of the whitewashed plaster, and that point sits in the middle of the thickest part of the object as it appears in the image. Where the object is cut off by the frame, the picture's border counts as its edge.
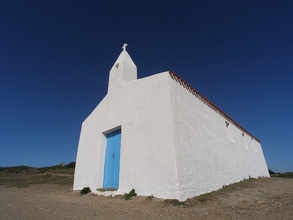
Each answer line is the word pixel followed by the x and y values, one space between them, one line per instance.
pixel 209 154
pixel 143 111
pixel 173 146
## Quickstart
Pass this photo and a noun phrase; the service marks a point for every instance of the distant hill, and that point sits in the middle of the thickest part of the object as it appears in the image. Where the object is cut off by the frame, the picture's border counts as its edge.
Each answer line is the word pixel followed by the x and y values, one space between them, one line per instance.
pixel 57 169
pixel 284 175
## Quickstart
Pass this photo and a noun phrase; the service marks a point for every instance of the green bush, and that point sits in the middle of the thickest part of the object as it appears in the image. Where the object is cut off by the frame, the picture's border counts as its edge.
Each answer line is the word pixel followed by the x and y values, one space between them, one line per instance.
pixel 271 172
pixel 129 195
pixel 85 190
pixel 71 165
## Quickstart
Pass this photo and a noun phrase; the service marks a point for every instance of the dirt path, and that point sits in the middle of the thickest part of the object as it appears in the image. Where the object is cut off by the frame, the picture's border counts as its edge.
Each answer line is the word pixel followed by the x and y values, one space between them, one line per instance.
pixel 270 198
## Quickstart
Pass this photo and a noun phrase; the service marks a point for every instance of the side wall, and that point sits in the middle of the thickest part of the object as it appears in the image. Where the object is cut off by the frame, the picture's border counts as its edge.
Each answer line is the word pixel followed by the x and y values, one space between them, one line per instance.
pixel 210 151
pixel 142 109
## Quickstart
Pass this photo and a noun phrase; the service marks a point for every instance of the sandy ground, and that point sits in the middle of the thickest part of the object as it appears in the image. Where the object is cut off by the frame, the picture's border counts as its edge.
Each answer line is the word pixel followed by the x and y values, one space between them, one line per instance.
pixel 269 198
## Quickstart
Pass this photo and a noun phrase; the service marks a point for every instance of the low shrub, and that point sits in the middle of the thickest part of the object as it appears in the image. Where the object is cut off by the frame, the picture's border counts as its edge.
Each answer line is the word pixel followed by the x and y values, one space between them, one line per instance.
pixel 85 190
pixel 129 195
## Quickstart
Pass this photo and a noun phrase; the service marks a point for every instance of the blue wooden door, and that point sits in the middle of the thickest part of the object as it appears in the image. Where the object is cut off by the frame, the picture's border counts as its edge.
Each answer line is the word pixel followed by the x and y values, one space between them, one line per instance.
pixel 112 160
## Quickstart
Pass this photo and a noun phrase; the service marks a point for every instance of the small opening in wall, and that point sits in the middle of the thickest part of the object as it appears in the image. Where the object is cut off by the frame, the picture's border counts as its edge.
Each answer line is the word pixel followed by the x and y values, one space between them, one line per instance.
pixel 230 132
pixel 242 134
pixel 252 138
pixel 117 66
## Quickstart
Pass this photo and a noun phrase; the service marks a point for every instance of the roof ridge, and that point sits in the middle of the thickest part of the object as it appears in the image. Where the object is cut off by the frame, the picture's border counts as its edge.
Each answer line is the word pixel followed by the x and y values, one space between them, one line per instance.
pixel 208 102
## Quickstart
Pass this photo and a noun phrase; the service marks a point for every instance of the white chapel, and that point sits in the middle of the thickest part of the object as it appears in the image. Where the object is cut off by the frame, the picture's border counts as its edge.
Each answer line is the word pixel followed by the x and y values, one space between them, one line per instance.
pixel 161 137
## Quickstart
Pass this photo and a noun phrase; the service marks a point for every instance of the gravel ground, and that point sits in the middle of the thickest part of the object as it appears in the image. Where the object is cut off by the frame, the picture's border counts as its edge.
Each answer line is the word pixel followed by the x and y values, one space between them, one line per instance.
pixel 267 198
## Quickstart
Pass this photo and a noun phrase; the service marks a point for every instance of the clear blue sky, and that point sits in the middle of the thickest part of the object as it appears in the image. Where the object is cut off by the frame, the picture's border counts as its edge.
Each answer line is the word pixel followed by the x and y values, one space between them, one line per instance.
pixel 55 58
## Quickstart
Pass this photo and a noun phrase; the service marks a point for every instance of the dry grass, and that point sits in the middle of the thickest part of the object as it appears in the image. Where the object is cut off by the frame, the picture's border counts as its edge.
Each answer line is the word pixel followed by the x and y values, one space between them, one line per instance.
pixel 25 180
pixel 215 195
pixel 23 176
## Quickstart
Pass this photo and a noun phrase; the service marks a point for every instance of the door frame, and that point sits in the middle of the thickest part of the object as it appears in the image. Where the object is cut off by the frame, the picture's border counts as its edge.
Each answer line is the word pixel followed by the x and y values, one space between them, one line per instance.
pixel 105 169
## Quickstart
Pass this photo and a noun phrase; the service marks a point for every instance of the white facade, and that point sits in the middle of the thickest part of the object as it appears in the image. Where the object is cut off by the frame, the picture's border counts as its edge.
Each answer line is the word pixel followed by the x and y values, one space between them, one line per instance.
pixel 175 144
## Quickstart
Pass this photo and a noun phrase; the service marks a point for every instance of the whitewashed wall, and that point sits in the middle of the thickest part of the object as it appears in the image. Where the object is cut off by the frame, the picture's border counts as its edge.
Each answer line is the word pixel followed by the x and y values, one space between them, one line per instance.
pixel 209 154
pixel 143 110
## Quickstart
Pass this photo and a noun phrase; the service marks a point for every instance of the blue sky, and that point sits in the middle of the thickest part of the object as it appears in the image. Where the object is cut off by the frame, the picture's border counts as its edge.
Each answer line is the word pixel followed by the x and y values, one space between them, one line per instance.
pixel 55 58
